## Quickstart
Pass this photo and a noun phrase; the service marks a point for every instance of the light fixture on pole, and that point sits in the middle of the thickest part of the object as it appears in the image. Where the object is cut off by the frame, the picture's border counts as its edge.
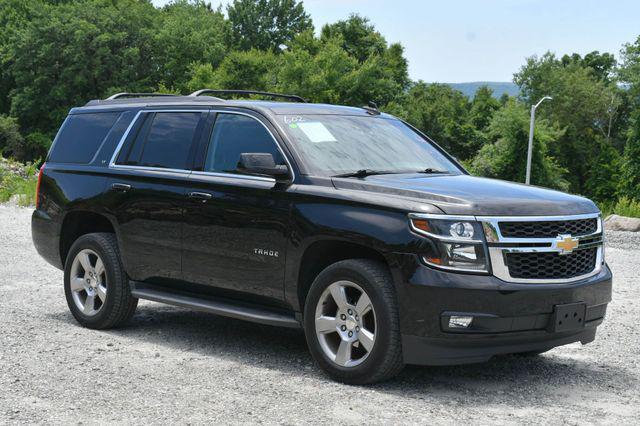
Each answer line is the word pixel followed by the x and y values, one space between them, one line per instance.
pixel 531 127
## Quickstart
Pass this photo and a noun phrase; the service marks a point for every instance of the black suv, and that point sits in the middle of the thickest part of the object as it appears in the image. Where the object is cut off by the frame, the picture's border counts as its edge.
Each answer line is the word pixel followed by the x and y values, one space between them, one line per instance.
pixel 346 222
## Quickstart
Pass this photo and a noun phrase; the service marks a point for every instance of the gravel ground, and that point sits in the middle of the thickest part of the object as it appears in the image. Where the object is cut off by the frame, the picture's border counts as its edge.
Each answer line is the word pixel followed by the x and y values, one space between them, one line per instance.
pixel 174 365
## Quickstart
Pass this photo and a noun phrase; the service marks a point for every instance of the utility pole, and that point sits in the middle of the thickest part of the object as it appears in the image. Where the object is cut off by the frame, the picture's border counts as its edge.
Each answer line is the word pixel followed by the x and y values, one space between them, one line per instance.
pixel 531 127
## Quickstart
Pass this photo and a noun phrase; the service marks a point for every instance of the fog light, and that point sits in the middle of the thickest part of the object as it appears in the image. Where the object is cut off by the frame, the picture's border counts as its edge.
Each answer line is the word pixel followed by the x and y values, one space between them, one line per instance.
pixel 460 321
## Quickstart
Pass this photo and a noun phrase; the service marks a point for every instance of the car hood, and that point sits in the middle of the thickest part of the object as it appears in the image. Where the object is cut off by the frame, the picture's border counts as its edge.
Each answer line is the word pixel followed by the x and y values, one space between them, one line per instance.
pixel 469 195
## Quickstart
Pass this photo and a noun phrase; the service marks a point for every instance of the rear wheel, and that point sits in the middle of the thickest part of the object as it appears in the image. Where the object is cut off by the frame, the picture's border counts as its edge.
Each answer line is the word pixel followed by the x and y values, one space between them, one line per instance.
pixel 96 286
pixel 351 322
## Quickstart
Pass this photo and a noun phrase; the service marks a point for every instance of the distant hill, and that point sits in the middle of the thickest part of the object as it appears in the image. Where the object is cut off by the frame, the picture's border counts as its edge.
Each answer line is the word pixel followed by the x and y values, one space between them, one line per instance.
pixel 498 87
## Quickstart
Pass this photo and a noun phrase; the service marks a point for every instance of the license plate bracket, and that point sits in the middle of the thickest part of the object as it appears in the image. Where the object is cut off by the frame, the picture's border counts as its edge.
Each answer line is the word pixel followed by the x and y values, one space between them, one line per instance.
pixel 568 317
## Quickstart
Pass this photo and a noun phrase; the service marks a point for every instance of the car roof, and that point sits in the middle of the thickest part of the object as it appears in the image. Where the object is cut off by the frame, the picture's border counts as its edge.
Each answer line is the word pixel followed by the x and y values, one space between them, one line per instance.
pixel 266 107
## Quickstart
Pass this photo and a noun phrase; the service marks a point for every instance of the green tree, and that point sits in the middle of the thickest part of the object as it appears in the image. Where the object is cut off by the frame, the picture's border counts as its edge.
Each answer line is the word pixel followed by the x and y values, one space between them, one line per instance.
pixel 76 51
pixel 602 65
pixel 586 107
pixel 324 71
pixel 14 16
pixel 266 24
pixel 603 178
pixel 359 37
pixel 483 106
pixel 189 31
pixel 10 136
pixel 252 69
pixel 443 114
pixel 630 68
pixel 320 70
pixel 506 156
pixel 630 170
pixel 320 77
pixel 13 144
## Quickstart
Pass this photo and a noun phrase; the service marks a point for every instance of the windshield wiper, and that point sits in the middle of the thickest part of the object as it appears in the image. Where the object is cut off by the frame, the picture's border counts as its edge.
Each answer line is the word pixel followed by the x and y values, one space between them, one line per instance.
pixel 431 171
pixel 364 173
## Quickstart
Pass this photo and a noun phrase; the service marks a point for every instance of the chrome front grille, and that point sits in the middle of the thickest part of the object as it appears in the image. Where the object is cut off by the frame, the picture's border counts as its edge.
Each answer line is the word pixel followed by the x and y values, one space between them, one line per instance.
pixel 558 249
pixel 549 265
pixel 549 229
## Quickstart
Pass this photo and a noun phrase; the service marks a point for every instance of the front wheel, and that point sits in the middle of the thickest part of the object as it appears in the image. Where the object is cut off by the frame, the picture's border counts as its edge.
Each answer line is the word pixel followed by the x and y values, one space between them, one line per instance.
pixel 351 322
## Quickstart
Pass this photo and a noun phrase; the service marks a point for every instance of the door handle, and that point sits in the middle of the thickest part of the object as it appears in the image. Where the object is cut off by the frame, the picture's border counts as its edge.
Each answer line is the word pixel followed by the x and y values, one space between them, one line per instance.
pixel 121 187
pixel 200 196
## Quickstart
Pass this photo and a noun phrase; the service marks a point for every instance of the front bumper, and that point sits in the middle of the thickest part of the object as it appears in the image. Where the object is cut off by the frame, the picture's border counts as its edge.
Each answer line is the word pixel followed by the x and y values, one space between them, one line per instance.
pixel 510 318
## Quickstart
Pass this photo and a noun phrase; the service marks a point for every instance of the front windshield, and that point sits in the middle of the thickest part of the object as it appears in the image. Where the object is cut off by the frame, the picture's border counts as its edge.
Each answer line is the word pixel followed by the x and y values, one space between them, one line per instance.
pixel 336 144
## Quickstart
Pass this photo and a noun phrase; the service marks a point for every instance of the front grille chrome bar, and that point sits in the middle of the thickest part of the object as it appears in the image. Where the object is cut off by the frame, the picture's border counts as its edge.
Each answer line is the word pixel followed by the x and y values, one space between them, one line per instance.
pixel 499 245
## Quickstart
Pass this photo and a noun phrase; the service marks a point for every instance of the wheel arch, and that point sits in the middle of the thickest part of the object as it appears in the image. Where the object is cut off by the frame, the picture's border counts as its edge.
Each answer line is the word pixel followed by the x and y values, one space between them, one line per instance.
pixel 321 253
pixel 81 222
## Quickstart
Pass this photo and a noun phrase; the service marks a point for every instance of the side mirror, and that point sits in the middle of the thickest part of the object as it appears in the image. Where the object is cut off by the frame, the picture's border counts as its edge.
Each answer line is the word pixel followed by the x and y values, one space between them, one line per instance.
pixel 262 164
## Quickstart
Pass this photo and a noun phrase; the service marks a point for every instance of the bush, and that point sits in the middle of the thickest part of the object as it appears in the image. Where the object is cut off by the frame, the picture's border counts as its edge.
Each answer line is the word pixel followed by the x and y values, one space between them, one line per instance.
pixel 18 179
pixel 625 206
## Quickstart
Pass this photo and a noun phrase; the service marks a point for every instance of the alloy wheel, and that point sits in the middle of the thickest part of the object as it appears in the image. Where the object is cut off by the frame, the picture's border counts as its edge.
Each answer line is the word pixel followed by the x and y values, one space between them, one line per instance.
pixel 345 323
pixel 88 282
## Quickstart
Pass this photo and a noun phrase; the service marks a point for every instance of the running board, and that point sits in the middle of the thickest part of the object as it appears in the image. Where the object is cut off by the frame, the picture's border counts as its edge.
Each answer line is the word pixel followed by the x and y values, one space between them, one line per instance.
pixel 226 307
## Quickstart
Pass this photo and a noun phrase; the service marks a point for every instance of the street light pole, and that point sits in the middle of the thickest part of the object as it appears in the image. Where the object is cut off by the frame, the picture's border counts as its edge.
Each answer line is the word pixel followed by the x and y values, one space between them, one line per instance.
pixel 531 127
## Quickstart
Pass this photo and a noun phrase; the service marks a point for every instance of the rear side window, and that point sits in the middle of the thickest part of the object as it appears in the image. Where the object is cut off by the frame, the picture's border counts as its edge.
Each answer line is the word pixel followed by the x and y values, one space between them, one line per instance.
pixel 233 135
pixel 164 140
pixel 81 136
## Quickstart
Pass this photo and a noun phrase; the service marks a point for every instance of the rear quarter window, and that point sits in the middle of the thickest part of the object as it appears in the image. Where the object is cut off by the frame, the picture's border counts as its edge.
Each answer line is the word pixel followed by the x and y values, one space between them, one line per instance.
pixel 81 136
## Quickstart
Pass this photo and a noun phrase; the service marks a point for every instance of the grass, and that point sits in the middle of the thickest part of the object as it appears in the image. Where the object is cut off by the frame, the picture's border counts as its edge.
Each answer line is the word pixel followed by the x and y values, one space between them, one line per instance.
pixel 18 179
pixel 623 207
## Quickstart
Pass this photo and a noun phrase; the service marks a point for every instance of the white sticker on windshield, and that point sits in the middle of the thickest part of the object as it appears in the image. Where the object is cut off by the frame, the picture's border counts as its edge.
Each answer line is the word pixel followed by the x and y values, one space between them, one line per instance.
pixel 316 132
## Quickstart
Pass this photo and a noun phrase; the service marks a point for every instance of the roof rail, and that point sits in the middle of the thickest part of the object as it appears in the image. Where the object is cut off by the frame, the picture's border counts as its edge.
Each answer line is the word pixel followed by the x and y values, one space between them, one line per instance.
pixel 137 95
pixel 249 92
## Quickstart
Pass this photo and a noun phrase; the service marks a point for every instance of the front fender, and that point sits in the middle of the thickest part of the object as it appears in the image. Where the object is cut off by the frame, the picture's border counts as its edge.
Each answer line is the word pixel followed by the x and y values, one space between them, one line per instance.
pixel 320 217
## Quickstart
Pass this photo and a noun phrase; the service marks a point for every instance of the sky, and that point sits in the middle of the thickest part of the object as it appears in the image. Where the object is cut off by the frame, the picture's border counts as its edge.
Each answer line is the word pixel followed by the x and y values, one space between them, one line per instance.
pixel 485 40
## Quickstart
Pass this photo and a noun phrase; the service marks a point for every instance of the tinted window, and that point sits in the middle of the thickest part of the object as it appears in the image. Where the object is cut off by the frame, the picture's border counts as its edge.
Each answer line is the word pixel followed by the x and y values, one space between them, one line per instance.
pixel 233 135
pixel 81 136
pixel 165 139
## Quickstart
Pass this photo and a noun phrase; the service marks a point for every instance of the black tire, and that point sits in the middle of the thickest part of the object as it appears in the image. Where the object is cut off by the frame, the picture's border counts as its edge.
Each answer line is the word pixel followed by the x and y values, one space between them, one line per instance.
pixel 385 359
pixel 119 305
pixel 531 354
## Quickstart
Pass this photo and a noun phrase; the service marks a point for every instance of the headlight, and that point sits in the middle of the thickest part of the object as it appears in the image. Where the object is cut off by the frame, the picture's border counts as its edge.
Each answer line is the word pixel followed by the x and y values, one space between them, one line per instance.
pixel 458 242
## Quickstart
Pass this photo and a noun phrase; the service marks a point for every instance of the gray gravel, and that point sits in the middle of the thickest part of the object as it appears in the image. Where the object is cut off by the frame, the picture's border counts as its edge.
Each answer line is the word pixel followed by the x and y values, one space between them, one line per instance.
pixel 173 365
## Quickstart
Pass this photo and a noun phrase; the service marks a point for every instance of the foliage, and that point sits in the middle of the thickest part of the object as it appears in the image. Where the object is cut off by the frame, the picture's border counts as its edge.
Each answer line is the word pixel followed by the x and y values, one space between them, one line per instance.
pixel 630 68
pixel 189 31
pixel 505 157
pixel 444 115
pixel 585 104
pixel 14 15
pixel 602 65
pixel 82 50
pixel 238 70
pixel 483 106
pixel 319 69
pixel 19 180
pixel 630 169
pixel 266 24
pixel 359 38
pixel 10 136
pixel 604 176
pixel 624 206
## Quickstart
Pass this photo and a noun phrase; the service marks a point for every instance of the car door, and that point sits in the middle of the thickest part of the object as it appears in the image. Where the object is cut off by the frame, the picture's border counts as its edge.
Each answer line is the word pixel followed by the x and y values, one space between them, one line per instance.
pixel 148 178
pixel 236 225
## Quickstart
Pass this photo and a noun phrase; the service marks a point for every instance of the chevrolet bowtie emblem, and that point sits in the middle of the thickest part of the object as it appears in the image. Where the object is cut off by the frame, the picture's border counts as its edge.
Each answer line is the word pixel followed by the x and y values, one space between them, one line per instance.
pixel 566 243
